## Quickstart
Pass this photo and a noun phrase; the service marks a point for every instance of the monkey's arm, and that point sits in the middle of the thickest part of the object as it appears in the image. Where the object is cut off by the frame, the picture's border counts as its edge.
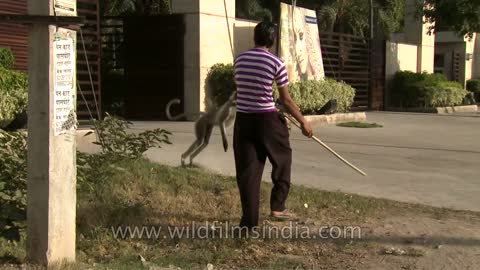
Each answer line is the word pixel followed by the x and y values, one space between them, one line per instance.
pixel 224 136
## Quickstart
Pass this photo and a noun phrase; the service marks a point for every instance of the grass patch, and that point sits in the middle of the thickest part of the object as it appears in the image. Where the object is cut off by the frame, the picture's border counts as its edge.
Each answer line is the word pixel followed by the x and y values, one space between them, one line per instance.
pixel 141 193
pixel 359 125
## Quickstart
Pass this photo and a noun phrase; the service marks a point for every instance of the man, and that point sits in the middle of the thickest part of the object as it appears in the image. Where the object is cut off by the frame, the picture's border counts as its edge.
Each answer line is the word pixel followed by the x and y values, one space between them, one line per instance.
pixel 259 130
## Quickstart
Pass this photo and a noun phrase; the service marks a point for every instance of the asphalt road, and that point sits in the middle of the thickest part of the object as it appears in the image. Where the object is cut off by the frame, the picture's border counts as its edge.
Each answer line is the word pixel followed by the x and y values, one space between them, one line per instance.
pixel 421 158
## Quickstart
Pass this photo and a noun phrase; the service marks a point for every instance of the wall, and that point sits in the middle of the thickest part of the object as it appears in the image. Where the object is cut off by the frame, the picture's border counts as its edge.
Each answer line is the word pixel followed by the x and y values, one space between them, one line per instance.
pixel 215 46
pixel 476 57
pixel 206 43
pixel 446 49
pixel 450 44
pixel 14 36
pixel 243 35
pixel 470 64
pixel 416 34
pixel 399 57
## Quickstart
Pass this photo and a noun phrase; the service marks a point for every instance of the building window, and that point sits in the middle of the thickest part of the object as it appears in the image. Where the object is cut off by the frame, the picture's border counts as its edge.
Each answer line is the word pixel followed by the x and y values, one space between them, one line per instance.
pixel 439 63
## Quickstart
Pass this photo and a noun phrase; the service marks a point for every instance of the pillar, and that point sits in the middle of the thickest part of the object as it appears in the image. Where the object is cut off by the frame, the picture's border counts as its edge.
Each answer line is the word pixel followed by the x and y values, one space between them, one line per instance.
pixel 51 180
pixel 206 43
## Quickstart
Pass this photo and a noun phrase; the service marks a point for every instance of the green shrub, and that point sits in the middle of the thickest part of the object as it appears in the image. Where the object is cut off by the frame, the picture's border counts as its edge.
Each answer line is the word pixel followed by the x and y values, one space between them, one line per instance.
pixel 444 94
pixel 411 89
pixel 13 95
pixel 473 86
pixel 117 146
pixel 13 183
pixel 310 96
pixel 220 84
pixel 114 92
pixel 120 144
pixel 6 58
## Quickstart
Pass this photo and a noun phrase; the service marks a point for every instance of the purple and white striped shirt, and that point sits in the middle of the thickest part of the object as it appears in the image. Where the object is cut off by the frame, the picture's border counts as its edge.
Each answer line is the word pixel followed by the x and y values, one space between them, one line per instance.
pixel 255 71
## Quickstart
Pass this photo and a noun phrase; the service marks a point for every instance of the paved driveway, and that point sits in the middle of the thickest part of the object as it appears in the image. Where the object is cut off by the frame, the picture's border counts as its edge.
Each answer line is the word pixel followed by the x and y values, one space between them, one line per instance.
pixel 422 158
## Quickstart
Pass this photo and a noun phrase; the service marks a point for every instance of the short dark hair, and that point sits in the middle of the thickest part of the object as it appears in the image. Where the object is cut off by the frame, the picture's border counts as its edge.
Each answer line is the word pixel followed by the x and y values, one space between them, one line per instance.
pixel 264 34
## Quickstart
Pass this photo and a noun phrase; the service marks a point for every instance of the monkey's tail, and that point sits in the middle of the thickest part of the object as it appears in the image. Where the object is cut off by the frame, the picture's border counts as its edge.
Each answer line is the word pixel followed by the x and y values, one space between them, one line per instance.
pixel 167 110
pixel 177 117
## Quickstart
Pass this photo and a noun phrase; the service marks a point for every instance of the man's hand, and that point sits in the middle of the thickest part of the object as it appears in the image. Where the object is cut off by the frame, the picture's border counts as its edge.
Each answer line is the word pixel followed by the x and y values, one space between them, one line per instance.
pixel 307 129
pixel 291 107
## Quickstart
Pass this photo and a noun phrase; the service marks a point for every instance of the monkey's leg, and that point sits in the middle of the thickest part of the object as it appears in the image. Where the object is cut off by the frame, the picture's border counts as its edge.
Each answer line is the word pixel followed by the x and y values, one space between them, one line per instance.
pixel 199 135
pixel 204 143
pixel 223 131
pixel 192 147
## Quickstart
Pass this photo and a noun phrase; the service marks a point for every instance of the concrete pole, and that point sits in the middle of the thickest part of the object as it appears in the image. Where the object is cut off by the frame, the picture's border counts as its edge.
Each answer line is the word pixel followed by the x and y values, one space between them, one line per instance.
pixel 51 181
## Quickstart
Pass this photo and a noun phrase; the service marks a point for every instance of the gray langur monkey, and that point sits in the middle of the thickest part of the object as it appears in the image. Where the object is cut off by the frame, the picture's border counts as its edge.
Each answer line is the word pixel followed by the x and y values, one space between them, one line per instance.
pixel 223 117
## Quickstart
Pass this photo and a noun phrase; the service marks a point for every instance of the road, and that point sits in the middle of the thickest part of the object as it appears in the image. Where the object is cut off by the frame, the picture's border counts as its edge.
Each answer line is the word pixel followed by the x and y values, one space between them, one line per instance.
pixel 421 158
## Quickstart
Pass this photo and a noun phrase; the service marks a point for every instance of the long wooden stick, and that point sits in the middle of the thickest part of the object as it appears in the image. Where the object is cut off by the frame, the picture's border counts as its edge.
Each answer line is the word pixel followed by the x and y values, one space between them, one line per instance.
pixel 326 146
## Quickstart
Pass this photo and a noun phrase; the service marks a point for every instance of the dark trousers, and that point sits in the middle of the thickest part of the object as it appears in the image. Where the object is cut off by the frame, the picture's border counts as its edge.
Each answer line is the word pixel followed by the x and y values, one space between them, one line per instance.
pixel 258 136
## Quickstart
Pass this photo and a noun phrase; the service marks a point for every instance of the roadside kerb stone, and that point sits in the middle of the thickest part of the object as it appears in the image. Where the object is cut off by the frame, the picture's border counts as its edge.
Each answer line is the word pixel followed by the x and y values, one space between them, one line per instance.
pixel 336 118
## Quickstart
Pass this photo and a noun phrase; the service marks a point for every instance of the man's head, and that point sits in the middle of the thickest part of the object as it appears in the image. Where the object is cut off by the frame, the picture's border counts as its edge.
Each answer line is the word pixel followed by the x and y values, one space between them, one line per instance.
pixel 264 34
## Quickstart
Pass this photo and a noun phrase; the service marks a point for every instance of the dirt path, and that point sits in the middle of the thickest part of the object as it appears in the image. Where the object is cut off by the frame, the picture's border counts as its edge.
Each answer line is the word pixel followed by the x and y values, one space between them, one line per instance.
pixel 429 243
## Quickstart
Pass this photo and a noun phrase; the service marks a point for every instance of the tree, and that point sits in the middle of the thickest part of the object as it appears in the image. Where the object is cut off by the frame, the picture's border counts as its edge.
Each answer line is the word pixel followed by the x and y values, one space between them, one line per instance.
pixel 461 16
pixel 350 16
pixel 252 10
pixel 141 7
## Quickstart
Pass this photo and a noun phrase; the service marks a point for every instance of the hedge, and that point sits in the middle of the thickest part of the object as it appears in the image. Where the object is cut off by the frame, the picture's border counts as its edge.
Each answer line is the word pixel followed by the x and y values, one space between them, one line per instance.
pixel 219 84
pixel 6 58
pixel 310 96
pixel 409 89
pixel 13 95
pixel 473 85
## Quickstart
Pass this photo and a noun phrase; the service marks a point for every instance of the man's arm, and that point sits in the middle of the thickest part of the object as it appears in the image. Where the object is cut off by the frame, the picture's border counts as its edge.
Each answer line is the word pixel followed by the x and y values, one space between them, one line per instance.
pixel 293 109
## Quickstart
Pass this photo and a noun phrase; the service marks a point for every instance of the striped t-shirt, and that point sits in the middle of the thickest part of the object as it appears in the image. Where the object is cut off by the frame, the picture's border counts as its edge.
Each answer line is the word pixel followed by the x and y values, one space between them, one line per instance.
pixel 255 71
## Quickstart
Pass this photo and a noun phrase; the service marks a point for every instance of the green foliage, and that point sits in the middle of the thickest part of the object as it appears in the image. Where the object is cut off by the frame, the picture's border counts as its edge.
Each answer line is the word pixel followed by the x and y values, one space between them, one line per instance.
pixel 13 95
pixel 473 86
pixel 114 92
pixel 118 144
pixel 411 89
pixel 461 16
pixel 6 58
pixel 138 7
pixel 311 96
pixel 351 16
pixel 359 125
pixel 13 186
pixel 444 94
pixel 390 18
pixel 252 10
pixel 220 84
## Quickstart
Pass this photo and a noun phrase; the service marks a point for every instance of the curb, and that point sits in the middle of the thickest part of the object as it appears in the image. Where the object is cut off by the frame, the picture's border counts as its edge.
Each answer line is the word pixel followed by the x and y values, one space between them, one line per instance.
pixel 336 118
pixel 454 109
pixel 437 110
